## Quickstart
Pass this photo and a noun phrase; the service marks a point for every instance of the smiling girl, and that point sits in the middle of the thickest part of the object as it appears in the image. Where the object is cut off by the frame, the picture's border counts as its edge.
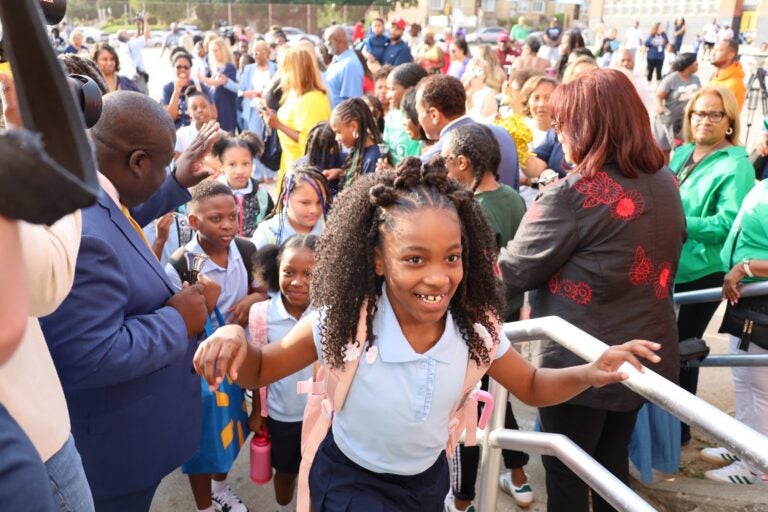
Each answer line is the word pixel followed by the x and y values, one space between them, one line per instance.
pixel 426 315
pixel 301 207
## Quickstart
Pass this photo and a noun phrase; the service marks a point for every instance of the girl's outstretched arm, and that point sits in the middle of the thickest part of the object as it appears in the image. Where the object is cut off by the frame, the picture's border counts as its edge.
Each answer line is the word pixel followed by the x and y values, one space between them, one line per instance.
pixel 226 351
pixel 542 387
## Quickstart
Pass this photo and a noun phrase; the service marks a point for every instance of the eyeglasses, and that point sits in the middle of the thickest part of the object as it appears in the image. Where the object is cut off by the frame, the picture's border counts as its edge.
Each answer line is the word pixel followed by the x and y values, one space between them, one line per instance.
pixel 181 67
pixel 715 116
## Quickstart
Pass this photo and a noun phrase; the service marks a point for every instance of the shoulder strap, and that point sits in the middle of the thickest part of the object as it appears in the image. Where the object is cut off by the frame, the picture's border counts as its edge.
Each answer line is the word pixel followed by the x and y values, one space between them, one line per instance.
pixel 247 252
pixel 257 322
pixel 179 263
pixel 340 380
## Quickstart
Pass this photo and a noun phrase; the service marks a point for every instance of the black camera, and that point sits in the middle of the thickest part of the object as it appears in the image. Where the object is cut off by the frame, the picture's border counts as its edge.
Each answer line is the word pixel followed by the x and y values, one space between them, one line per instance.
pixel 139 17
pixel 53 10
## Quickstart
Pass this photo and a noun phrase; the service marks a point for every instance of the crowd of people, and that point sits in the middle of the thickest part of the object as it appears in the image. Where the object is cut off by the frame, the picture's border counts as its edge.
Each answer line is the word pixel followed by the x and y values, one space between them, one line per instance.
pixel 426 192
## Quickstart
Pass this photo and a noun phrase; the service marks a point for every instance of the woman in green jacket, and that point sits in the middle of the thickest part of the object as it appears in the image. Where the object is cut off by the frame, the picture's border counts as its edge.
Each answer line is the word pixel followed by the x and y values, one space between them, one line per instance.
pixel 715 175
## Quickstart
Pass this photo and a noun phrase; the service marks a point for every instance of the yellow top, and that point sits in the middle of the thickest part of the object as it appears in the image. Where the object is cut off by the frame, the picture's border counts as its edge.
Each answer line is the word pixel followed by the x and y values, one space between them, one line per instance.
pixel 300 113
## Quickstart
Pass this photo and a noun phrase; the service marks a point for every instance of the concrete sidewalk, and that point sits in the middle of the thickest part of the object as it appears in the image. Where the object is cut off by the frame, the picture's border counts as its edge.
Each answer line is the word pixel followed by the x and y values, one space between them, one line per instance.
pixel 686 490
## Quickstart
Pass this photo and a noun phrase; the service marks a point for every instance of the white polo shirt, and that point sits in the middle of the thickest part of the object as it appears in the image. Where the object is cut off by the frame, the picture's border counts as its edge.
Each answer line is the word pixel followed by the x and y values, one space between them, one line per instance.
pixel 283 403
pixel 233 279
pixel 395 418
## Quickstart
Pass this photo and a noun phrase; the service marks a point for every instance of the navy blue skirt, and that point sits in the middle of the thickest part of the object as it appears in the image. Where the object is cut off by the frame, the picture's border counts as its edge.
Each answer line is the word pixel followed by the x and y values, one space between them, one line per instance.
pixel 336 484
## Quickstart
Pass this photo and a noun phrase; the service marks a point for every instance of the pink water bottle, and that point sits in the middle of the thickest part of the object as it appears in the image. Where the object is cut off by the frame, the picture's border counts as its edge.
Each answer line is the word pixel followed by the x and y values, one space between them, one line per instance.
pixel 261 461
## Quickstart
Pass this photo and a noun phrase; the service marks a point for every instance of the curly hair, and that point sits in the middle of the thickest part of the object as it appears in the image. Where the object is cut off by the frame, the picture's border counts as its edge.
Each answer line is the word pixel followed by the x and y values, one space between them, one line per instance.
pixel 477 144
pixel 445 93
pixel 344 275
pixel 245 139
pixel 357 110
pixel 266 261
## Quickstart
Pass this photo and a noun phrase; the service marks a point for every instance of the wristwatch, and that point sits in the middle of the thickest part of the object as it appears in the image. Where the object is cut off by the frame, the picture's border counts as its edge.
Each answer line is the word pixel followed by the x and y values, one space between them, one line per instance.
pixel 747 270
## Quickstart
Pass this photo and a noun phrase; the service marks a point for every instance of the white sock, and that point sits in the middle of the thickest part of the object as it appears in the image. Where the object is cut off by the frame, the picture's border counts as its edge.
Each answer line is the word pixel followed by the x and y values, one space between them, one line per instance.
pixel 218 487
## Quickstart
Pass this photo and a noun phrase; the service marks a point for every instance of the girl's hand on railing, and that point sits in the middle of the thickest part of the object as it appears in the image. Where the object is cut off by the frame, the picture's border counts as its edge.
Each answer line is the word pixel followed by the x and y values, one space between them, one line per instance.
pixel 605 370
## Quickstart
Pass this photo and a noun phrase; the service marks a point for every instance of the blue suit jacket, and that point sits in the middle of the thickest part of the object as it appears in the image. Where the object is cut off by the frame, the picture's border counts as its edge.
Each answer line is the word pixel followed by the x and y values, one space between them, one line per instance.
pixel 509 166
pixel 251 116
pixel 123 356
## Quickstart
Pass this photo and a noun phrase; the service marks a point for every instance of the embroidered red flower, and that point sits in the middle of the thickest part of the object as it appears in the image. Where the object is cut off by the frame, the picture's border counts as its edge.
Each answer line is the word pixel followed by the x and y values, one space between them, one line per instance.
pixel 641 271
pixel 600 189
pixel 663 280
pixel 579 292
pixel 554 282
pixel 582 293
pixel 629 206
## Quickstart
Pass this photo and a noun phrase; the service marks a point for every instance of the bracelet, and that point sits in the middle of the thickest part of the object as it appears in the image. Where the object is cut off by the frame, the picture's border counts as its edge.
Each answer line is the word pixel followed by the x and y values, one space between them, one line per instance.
pixel 747 270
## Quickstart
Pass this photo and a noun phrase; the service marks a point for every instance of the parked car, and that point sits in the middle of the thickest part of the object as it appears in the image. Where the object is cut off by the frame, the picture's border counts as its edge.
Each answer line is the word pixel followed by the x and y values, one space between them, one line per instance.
pixel 294 34
pixel 486 35
pixel 93 35
pixel 156 38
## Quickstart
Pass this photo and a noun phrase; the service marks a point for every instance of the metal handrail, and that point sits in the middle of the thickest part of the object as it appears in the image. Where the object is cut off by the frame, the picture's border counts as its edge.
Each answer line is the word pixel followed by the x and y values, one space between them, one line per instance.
pixel 613 490
pixel 743 440
pixel 740 439
pixel 716 294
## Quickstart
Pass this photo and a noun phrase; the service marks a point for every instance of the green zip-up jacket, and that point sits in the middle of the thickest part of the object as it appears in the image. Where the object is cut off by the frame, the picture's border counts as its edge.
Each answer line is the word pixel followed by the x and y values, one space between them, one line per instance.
pixel 712 195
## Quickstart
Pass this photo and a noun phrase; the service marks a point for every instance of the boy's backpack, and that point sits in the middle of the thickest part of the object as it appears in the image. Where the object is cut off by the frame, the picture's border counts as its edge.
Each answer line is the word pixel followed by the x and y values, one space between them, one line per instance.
pixel 244 246
pixel 326 395
pixel 257 327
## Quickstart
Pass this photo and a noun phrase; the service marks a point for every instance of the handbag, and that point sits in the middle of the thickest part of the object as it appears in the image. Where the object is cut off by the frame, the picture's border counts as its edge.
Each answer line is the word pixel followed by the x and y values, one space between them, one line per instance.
pixel 692 349
pixel 748 320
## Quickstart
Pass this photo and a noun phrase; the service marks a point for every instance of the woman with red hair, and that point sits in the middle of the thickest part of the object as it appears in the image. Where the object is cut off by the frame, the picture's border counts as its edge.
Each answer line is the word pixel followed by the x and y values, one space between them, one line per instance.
pixel 601 248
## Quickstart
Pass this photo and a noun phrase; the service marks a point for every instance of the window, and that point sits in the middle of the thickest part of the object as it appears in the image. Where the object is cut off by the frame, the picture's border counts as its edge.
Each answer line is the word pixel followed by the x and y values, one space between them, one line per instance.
pixel 489 5
pixel 537 6
pixel 436 5
pixel 522 6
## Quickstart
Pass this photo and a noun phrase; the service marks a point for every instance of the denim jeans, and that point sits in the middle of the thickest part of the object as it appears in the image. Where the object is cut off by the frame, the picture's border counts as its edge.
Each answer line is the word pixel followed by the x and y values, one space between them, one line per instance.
pixel 68 482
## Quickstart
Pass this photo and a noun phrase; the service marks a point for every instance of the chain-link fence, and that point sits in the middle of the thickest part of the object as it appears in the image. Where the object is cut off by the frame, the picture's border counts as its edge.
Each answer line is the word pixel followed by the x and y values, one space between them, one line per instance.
pixel 309 16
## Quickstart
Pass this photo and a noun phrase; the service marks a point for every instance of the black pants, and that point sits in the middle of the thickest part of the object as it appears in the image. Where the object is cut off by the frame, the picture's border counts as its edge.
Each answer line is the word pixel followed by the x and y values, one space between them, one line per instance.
pixel 655 64
pixel 602 434
pixel 464 465
pixel 692 321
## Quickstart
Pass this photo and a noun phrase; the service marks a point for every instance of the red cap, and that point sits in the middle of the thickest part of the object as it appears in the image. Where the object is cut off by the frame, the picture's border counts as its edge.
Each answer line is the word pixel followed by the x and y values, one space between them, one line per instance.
pixel 399 22
pixel 503 36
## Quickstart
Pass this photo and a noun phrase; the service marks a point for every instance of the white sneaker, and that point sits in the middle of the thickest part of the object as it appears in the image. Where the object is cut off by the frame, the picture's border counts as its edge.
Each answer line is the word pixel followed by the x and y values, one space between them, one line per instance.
pixel 522 495
pixel 736 473
pixel 228 501
pixel 718 455
pixel 450 505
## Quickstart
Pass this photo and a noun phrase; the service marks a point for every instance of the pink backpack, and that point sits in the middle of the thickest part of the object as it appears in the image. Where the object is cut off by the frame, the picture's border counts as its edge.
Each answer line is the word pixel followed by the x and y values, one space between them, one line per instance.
pixel 257 327
pixel 326 395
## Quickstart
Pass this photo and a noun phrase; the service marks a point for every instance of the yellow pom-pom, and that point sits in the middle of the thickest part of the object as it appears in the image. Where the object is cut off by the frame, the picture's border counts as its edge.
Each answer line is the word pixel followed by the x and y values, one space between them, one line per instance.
pixel 522 135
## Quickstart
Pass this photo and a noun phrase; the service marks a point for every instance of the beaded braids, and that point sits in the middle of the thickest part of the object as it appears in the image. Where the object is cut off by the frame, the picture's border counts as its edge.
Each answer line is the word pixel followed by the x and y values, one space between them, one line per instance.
pixel 355 109
pixel 297 175
pixel 266 262
pixel 344 273
pixel 477 144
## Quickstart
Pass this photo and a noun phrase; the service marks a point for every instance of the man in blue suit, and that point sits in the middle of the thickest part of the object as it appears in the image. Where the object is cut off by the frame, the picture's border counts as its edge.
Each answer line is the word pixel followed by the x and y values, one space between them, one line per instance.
pixel 441 105
pixel 122 341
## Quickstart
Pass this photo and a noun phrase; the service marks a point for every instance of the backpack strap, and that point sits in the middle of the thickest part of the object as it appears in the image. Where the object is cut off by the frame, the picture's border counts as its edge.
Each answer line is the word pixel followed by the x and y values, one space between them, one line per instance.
pixel 265 202
pixel 178 261
pixel 257 328
pixel 463 417
pixel 247 252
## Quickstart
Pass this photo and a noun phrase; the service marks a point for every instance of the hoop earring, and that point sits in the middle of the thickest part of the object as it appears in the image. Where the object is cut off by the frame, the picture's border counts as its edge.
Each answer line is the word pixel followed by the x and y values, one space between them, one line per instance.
pixel 729 131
